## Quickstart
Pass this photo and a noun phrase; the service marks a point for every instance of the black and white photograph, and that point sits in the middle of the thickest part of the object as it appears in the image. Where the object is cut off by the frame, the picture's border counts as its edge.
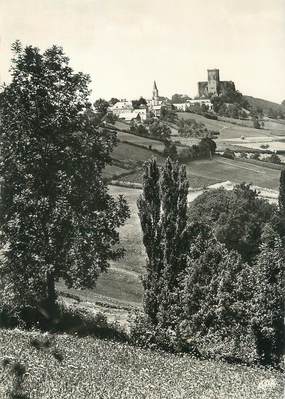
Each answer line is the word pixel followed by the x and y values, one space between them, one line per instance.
pixel 142 199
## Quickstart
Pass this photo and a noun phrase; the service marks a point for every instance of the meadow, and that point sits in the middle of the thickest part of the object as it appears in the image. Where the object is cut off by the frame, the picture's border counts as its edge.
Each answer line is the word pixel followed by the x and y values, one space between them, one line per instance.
pixel 126 151
pixel 143 141
pixel 233 128
pixel 94 368
pixel 122 282
pixel 221 169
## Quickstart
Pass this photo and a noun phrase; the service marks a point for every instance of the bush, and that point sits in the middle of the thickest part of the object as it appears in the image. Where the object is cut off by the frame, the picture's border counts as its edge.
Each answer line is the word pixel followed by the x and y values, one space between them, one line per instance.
pixel 146 335
pixel 229 154
pixel 66 319
pixel 81 322
pixel 274 158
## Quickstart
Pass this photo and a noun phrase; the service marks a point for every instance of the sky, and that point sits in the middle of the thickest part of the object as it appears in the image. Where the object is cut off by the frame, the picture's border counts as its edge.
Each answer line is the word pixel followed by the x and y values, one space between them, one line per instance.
pixel 125 44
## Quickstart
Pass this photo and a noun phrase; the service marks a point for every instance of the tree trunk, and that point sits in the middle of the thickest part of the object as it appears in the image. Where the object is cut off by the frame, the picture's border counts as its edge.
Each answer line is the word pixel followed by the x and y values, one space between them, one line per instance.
pixel 51 294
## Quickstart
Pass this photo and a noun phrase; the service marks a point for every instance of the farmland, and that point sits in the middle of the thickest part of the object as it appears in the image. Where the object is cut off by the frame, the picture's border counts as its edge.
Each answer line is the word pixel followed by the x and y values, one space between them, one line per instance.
pixel 93 368
pixel 221 169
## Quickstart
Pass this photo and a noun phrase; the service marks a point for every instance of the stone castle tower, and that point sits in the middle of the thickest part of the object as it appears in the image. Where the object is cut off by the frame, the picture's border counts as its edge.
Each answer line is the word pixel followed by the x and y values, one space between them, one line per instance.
pixel 214 86
pixel 213 81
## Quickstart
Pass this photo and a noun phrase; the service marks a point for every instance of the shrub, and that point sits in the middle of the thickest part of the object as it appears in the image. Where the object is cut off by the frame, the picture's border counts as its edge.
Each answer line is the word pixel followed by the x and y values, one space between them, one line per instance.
pixel 268 299
pixel 81 322
pixel 229 154
pixel 237 217
pixel 17 373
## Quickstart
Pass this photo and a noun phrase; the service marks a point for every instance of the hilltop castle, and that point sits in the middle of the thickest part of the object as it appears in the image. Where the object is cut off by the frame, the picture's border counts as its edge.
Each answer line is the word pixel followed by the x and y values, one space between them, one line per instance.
pixel 214 86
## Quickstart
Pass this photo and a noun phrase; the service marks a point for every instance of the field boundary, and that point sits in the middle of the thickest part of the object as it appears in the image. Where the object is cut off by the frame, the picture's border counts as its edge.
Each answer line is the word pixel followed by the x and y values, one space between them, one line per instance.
pixel 264 164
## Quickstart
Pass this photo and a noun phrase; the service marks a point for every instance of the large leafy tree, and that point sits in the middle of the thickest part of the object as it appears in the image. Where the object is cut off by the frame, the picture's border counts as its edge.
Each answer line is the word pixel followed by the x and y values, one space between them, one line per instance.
pixel 57 217
pixel 237 217
pixel 268 301
pixel 215 296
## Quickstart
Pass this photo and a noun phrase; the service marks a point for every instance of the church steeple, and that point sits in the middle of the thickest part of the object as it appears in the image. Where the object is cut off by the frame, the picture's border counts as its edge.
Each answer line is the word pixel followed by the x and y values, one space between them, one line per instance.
pixel 154 92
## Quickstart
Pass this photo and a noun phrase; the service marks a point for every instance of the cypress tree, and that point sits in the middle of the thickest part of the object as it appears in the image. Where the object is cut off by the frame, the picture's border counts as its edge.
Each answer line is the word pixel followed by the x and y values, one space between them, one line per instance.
pixel 281 199
pixel 162 211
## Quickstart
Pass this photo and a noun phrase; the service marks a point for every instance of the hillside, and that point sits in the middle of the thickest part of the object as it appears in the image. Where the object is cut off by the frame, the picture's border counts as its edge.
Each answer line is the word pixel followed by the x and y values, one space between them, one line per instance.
pixel 93 368
pixel 264 104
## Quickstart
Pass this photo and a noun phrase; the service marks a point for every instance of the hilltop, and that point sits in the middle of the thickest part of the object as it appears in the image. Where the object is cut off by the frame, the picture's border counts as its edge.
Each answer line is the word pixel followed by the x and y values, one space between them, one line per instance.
pixel 264 104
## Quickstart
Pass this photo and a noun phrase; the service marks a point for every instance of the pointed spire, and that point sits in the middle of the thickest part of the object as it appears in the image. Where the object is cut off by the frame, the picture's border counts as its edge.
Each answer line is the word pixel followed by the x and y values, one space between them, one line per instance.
pixel 155 92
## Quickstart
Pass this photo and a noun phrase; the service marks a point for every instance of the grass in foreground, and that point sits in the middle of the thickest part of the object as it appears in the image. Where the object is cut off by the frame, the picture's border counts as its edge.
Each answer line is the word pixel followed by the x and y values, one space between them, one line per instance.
pixel 93 368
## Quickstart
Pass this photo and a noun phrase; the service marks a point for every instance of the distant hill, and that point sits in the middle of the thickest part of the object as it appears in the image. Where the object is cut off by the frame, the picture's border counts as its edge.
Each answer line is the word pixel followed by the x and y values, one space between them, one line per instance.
pixel 264 104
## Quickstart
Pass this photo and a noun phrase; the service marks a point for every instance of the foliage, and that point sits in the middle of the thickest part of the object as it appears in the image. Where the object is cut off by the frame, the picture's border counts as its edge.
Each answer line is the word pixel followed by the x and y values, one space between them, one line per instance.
pixel 215 292
pixel 204 150
pixel 138 129
pixel 18 374
pixel 113 101
pixel 281 201
pixel 273 158
pixel 230 103
pixel 110 118
pixel 255 155
pixel 243 155
pixel 228 153
pixel 140 102
pixel 101 106
pixel 207 147
pixel 281 198
pixel 202 295
pixel 95 368
pixel 168 114
pixel 191 128
pixel 179 98
pixel 162 211
pixel 237 217
pixel 257 124
pixel 159 130
pixel 57 217
pixel 170 150
pixel 268 300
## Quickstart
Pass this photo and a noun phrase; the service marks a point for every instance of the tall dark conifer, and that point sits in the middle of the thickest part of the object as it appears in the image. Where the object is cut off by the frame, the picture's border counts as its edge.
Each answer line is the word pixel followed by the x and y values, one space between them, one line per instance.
pixel 162 210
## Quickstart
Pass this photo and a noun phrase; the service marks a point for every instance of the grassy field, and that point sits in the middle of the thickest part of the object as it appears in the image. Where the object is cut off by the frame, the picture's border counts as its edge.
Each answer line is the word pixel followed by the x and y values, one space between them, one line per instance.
pixel 222 169
pixel 113 170
pixel 93 368
pixel 144 141
pixel 229 130
pixel 125 151
pixel 207 172
pixel 122 282
pixel 122 125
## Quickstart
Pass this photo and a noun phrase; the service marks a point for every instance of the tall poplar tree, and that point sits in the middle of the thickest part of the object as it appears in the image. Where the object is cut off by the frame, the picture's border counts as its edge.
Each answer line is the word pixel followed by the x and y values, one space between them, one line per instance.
pixel 162 210
pixel 281 199
pixel 57 218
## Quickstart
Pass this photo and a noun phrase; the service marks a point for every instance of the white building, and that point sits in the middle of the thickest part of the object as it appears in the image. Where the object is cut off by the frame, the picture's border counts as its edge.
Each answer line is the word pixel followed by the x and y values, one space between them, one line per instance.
pixel 191 103
pixel 124 110
pixel 120 107
pixel 200 101
pixel 134 114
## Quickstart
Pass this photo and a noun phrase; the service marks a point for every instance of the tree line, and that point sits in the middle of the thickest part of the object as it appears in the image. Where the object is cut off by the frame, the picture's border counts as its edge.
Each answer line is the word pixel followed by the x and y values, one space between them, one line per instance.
pixel 214 283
